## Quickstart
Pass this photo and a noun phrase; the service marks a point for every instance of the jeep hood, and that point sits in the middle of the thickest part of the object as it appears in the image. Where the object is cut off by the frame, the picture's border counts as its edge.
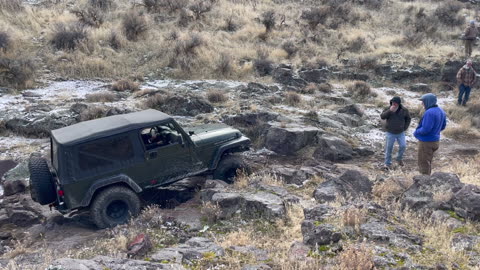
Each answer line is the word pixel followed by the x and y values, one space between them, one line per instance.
pixel 213 134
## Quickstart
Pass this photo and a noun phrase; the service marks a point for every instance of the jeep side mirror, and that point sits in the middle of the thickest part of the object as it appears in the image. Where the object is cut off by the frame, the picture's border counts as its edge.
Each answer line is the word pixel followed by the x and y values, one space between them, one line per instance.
pixel 191 133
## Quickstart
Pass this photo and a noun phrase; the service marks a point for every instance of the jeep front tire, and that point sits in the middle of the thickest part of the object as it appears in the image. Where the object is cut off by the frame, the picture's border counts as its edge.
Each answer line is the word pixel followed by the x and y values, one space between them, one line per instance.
pixel 114 206
pixel 228 167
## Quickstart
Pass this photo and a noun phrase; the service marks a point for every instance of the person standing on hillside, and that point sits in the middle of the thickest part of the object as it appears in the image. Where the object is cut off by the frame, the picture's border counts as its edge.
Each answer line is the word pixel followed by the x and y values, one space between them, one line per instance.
pixel 397 122
pixel 466 78
pixel 433 121
pixel 470 35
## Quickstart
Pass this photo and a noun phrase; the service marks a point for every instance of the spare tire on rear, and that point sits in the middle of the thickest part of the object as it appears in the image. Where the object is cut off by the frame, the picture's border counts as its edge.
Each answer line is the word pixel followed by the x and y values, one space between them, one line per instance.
pixel 42 187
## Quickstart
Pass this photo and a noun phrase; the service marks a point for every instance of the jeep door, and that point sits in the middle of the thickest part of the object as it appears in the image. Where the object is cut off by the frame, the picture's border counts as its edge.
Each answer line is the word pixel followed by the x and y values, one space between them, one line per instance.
pixel 169 155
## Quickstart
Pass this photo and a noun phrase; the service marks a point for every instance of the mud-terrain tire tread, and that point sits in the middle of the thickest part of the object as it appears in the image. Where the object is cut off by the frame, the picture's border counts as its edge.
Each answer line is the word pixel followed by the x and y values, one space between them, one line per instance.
pixel 227 163
pixel 42 187
pixel 99 206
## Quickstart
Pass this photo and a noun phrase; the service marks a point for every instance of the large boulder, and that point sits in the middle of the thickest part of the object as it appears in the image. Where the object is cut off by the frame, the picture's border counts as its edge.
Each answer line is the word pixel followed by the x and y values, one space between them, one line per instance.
pixel 13 187
pixel 333 149
pixel 185 105
pixel 316 233
pixel 289 140
pixel 39 125
pixel 5 166
pixel 466 202
pixel 315 75
pixel 295 175
pixel 450 69
pixel 102 262
pixel 192 250
pixel 392 235
pixel 411 73
pixel 352 184
pixel 421 194
pixel 353 109
pixel 288 77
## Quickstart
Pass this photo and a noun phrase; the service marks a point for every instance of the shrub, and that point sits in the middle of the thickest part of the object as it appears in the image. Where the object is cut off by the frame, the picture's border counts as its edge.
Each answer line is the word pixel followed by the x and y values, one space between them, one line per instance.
pixel 11 5
pixel 114 41
pixel 290 48
pixel 134 25
pixel 263 67
pixel 185 18
pixel 155 101
pixel 172 36
pixel 293 98
pixel 360 90
pixel 447 13
pixel 68 37
pixel 268 20
pixel 216 96
pixel 93 112
pixel 169 5
pixel 411 38
pixel 101 97
pixel 357 44
pixel 18 73
pixel 315 16
pixel 325 88
pixel 224 65
pixel 200 7
pixel 91 16
pixel 5 41
pixel 367 62
pixel 356 257
pixel 102 4
pixel 230 25
pixel 310 88
pixel 185 51
pixel 125 85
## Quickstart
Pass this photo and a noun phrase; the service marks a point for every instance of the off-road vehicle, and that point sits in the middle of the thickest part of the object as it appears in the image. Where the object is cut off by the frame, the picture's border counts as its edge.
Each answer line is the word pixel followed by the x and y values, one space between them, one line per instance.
pixel 104 165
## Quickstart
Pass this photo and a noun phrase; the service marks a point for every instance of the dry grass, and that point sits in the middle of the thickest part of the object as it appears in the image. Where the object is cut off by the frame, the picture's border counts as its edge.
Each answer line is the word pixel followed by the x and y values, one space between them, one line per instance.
pixel 391 188
pixel 467 169
pixel 293 98
pixel 356 257
pixel 101 97
pixel 354 217
pixel 360 91
pixel 462 132
pixel 125 85
pixel 217 96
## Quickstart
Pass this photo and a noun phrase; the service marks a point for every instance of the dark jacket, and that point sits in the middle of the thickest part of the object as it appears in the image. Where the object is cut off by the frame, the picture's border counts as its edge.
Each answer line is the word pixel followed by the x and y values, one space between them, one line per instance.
pixel 397 122
pixel 434 120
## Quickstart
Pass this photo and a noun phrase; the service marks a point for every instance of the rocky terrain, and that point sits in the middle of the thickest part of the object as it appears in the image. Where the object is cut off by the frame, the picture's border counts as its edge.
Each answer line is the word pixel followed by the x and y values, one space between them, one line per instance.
pixel 317 197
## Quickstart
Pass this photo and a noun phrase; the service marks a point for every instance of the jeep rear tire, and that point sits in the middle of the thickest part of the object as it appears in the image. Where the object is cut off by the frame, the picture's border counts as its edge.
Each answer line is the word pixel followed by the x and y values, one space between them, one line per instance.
pixel 228 168
pixel 42 187
pixel 114 206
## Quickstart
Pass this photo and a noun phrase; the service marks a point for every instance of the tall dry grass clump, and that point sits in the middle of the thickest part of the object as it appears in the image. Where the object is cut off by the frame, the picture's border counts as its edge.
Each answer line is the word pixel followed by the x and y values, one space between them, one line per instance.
pixel 17 72
pixel 125 85
pixel 293 98
pixel 217 96
pixel 11 5
pixel 68 36
pixel 134 25
pixel 360 91
pixel 357 257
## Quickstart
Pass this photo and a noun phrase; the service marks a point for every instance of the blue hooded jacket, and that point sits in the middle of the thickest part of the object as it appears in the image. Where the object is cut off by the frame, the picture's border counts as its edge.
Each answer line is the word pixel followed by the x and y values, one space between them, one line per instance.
pixel 434 120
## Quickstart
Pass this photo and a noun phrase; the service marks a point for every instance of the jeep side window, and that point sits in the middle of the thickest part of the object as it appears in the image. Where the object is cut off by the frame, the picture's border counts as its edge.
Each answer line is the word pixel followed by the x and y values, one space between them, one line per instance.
pixel 104 153
pixel 161 135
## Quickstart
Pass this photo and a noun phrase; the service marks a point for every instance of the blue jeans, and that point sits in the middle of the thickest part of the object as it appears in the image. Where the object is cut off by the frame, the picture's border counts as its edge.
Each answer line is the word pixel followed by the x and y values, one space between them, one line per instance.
pixel 463 90
pixel 402 145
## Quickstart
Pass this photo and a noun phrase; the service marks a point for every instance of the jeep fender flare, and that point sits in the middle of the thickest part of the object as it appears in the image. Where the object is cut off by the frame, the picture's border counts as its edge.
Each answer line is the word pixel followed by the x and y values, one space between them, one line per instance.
pixel 239 145
pixel 122 178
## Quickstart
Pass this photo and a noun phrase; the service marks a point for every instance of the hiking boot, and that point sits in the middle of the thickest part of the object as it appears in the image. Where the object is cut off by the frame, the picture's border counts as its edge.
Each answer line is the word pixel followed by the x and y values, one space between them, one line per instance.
pixel 400 163
pixel 386 167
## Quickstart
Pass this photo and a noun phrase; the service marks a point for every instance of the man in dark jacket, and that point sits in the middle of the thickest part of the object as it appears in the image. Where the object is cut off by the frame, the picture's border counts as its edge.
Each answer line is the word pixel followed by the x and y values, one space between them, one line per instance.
pixel 434 120
pixel 397 121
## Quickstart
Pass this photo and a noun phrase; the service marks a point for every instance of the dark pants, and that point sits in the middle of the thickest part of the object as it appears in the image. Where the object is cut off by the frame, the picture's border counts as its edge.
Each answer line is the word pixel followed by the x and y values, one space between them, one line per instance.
pixel 425 156
pixel 468 47
pixel 463 94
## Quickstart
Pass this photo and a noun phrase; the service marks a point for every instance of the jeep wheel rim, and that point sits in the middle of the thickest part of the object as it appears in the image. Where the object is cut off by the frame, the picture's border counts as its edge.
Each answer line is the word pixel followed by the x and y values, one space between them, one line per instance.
pixel 117 210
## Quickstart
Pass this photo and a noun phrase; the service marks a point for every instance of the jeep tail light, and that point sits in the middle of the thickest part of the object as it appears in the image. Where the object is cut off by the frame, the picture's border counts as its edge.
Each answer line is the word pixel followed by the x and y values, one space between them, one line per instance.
pixel 61 193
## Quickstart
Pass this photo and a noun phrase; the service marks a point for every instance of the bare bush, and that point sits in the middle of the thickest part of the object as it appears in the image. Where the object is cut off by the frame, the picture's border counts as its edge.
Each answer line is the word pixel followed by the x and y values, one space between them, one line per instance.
pixel 263 67
pixel 185 52
pixel 168 5
pixel 200 7
pixel 357 44
pixel 230 25
pixel 90 16
pixel 114 41
pixel 315 16
pixel 217 96
pixel 211 212
pixel 125 85
pixel 356 257
pixel 310 88
pixel 101 97
pixel 360 90
pixel 293 98
pixel 325 88
pixel 268 19
pixel 5 41
pixel 91 113
pixel 354 217
pixel 290 48
pixel 134 25
pixel 224 65
pixel 11 5
pixel 102 4
pixel 18 73
pixel 367 62
pixel 156 101
pixel 68 37
pixel 447 13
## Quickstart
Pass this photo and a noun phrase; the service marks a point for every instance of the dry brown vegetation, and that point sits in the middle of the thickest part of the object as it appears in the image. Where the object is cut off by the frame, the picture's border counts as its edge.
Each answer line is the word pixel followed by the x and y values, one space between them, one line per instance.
pixel 217 96
pixel 227 38
pixel 125 85
pixel 101 97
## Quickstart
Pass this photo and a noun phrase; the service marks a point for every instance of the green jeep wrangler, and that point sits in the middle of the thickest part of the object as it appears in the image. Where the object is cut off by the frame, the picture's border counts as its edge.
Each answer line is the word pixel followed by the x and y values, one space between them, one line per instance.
pixel 103 165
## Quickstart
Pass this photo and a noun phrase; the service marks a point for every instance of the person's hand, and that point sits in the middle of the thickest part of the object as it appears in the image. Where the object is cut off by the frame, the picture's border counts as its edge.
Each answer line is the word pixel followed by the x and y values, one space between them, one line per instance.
pixel 394 107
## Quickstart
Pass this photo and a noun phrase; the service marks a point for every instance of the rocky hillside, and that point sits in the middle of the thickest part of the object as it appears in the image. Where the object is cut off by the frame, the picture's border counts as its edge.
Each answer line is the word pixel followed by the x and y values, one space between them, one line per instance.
pixel 317 197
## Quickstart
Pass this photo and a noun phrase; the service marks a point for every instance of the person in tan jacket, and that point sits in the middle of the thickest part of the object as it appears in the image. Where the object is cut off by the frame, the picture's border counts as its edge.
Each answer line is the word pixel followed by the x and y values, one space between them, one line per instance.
pixel 470 35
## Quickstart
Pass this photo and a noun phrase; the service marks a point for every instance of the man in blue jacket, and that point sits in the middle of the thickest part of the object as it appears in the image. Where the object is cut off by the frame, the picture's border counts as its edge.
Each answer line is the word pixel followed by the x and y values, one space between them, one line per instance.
pixel 434 120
